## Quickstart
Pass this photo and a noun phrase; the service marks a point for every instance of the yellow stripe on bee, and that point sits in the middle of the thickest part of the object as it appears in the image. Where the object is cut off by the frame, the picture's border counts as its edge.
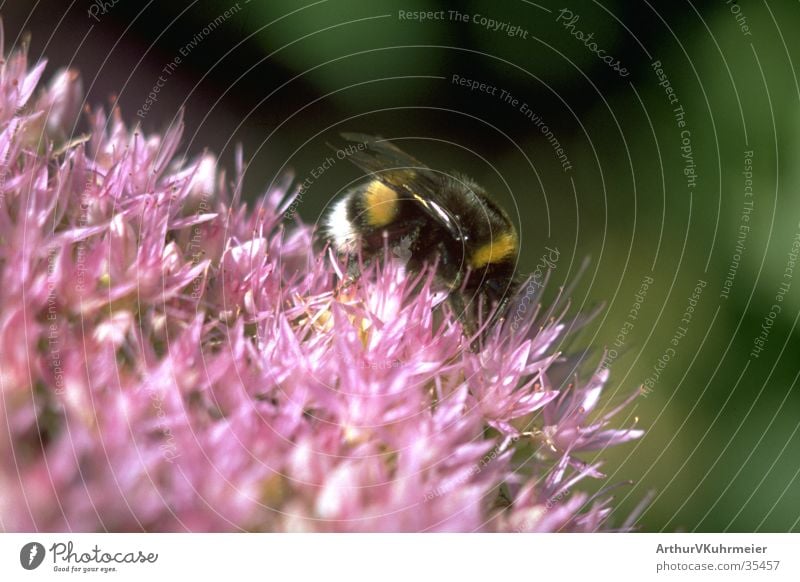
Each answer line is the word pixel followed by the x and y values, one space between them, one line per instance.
pixel 494 251
pixel 380 203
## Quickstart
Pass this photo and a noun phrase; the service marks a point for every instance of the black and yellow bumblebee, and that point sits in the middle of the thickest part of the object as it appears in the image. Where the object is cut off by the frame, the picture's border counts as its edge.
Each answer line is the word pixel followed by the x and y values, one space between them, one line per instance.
pixel 433 218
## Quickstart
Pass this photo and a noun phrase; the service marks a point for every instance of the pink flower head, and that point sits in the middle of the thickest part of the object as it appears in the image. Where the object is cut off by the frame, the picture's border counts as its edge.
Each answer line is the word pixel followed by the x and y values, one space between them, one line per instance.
pixel 172 359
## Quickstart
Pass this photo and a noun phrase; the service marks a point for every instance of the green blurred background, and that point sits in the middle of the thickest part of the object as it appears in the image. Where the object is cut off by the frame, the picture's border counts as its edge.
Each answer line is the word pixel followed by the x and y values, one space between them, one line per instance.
pixel 722 451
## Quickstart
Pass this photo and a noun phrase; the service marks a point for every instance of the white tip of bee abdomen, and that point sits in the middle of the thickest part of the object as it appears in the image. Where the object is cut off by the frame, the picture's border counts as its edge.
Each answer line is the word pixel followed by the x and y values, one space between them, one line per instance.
pixel 339 229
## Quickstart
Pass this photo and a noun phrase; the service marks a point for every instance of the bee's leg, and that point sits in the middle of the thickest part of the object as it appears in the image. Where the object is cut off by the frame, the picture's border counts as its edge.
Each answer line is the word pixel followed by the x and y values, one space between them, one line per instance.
pixel 353 272
pixel 501 296
pixel 465 318
pixel 500 311
pixel 456 301
pixel 342 279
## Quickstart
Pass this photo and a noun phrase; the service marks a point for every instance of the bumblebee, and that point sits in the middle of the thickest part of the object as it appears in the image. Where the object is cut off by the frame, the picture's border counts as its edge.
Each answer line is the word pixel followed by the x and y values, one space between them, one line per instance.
pixel 429 218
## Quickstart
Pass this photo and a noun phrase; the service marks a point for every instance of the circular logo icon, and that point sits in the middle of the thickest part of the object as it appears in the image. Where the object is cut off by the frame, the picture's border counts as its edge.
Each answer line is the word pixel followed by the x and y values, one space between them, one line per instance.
pixel 31 555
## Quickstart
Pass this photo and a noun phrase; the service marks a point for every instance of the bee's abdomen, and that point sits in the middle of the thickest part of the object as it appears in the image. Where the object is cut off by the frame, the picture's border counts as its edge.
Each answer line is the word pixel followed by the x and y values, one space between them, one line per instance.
pixel 340 227
pixel 499 248
pixel 361 215
pixel 380 205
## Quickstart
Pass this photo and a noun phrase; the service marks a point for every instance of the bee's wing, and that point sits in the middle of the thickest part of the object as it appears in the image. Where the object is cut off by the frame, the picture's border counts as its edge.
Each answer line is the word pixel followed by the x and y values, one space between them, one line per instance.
pixel 406 175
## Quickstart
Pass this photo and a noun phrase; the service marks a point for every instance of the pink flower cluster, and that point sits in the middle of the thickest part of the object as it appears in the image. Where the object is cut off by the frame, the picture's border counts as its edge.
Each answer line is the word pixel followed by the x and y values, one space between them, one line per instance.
pixel 172 360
